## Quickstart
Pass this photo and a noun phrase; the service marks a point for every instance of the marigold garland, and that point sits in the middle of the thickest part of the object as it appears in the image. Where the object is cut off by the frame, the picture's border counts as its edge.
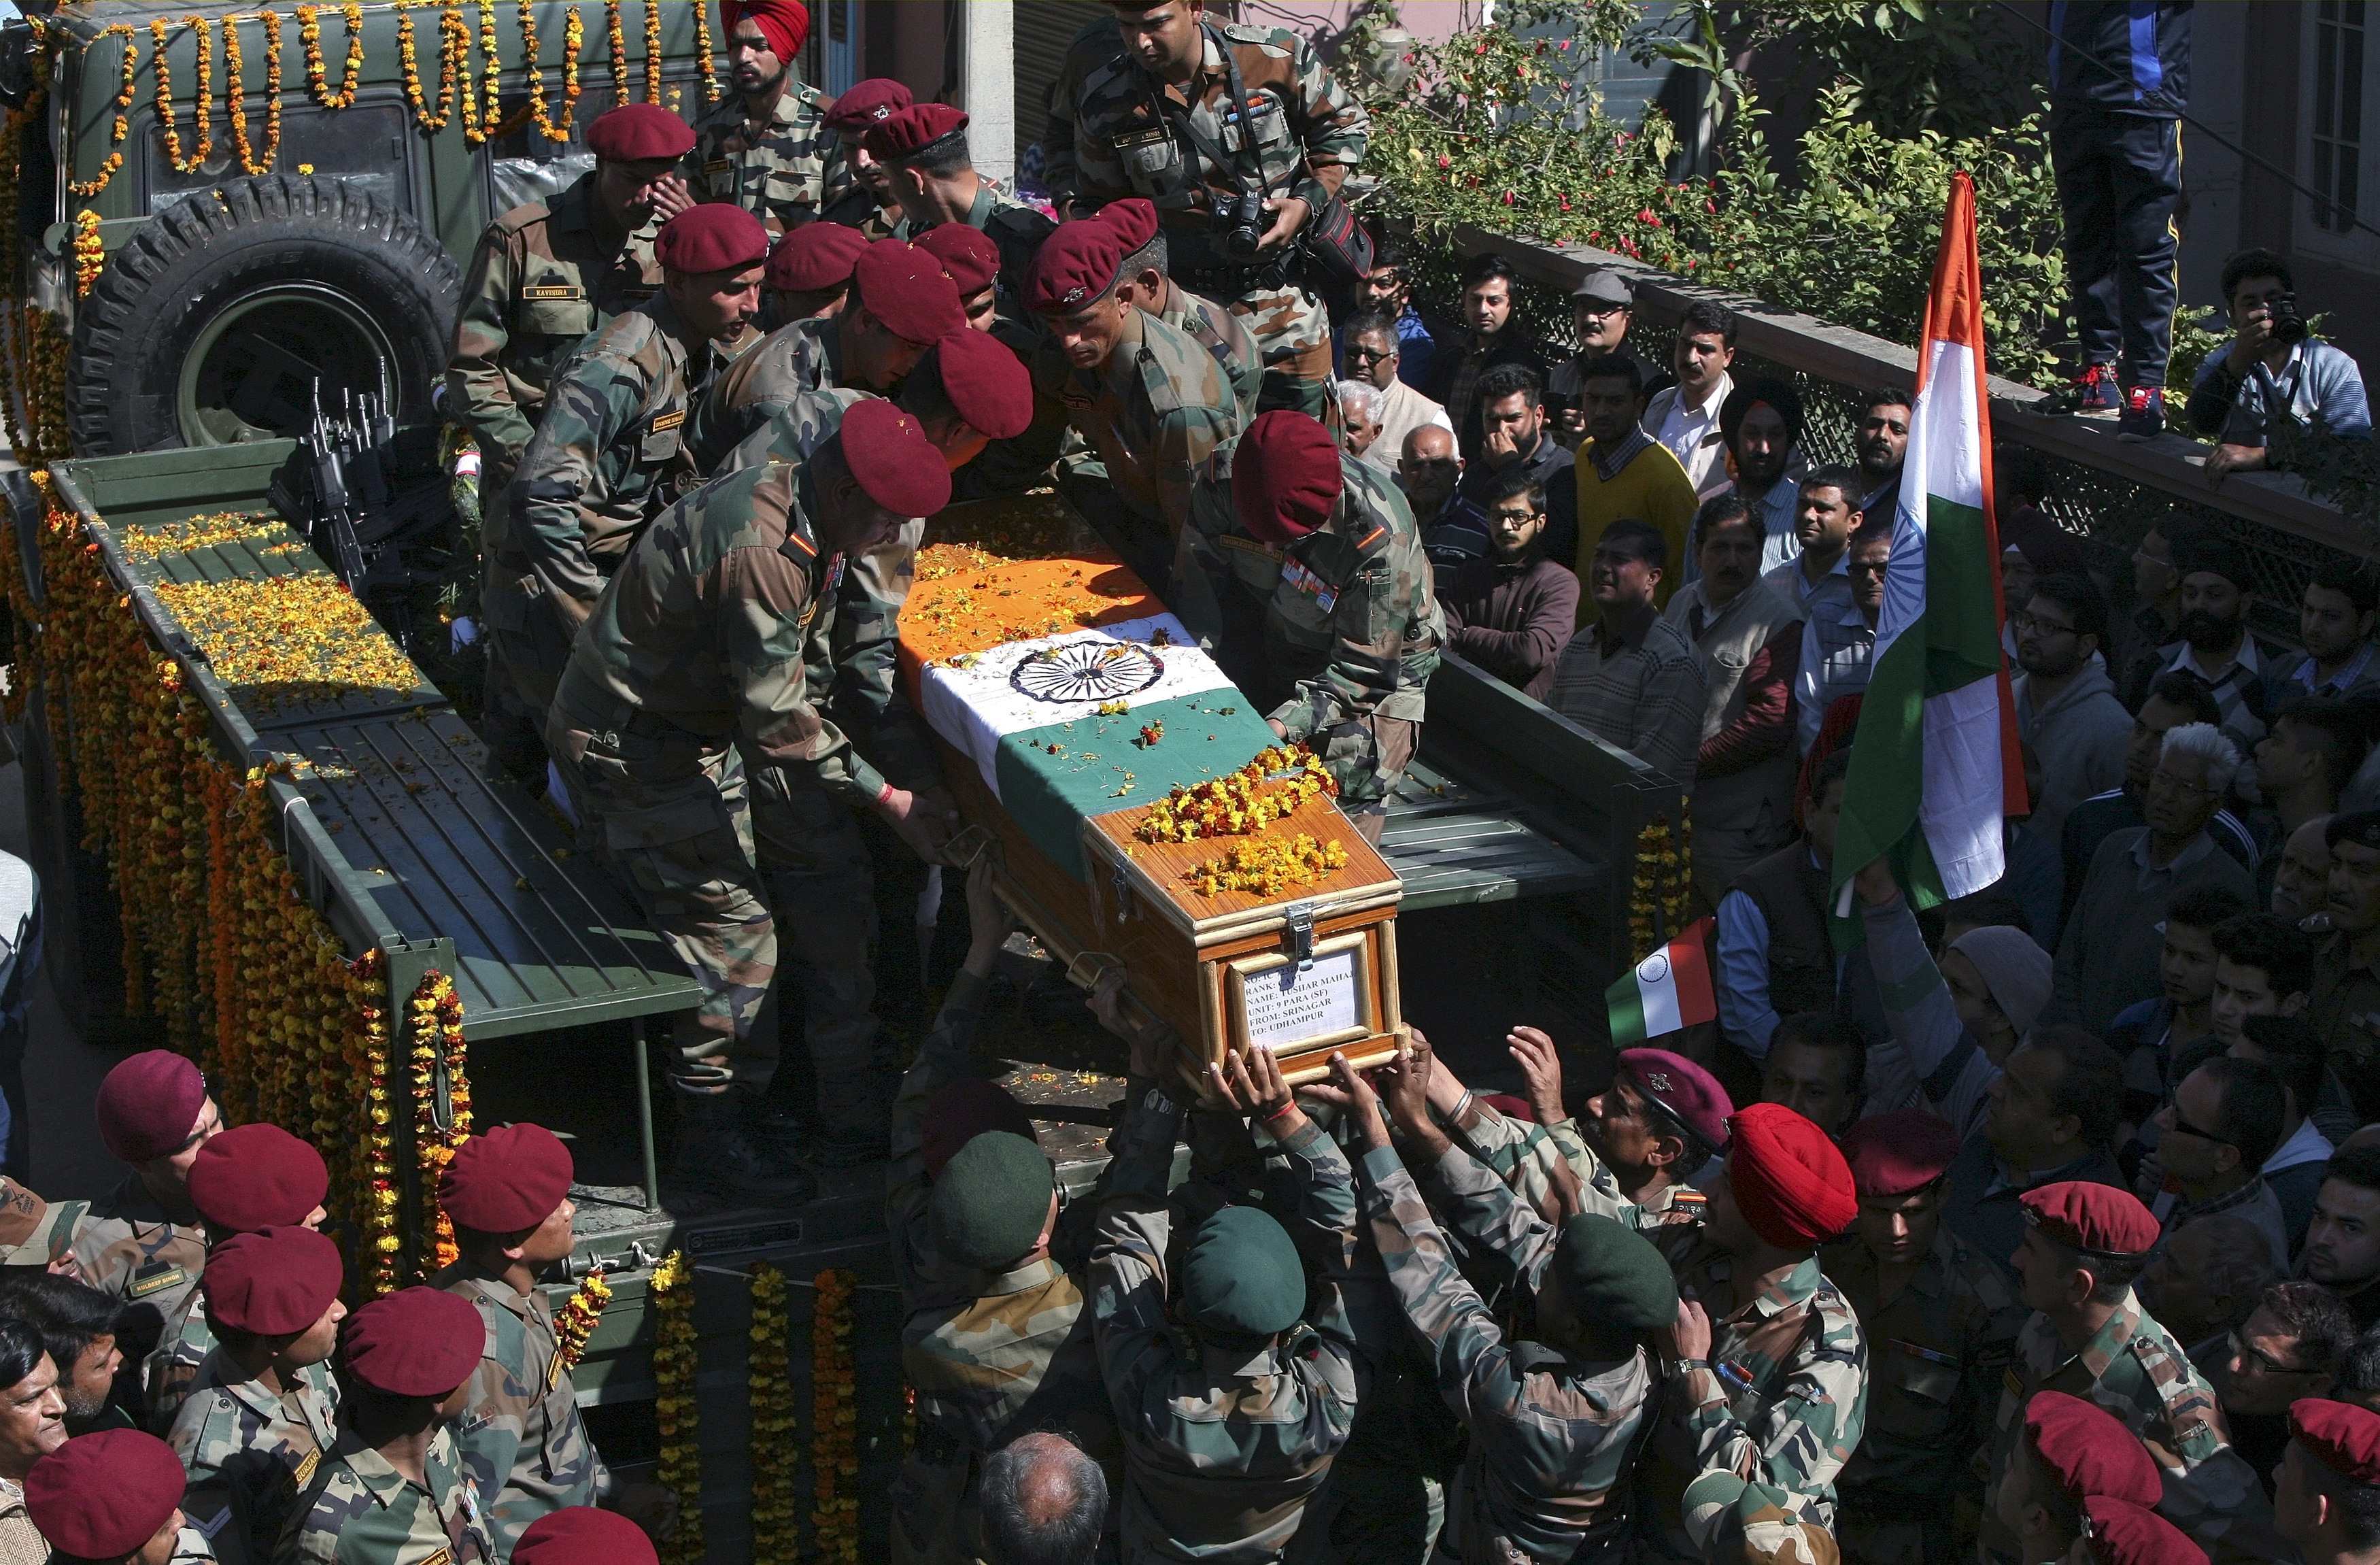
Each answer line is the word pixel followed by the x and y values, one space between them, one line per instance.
pixel 705 61
pixel 652 52
pixel 1267 867
pixel 575 1322
pixel 310 32
pixel 617 40
pixel 435 1027
pixel 1268 788
pixel 90 255
pixel 835 1430
pixel 679 1469
pixel 200 126
pixel 234 98
pixel 573 37
pixel 1662 886
pixel 122 126
pixel 776 1527
pixel 453 61
pixel 492 73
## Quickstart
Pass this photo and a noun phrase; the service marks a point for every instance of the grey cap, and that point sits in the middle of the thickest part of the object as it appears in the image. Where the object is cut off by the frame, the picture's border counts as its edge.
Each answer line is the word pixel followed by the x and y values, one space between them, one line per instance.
pixel 1607 285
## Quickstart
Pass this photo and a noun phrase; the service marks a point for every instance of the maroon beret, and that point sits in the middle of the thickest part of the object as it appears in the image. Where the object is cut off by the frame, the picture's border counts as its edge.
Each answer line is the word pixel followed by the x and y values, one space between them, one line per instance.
pixel 814 258
pixel 507 1179
pixel 906 131
pixel 1134 222
pixel 99 1496
pixel 1285 478
pixel 988 384
pixel 970 258
pixel 257 1176
pixel 889 453
pixel 1511 1108
pixel 2344 1436
pixel 1075 265
pixel 2084 1452
pixel 785 23
pixel 639 133
pixel 963 1110
pixel 272 1281
pixel 1789 1179
pixel 1900 1153
pixel 2125 1533
pixel 415 1343
pixel 1686 1092
pixel 580 1535
pixel 905 288
pixel 863 104
pixel 714 236
pixel 149 1104
pixel 2098 1217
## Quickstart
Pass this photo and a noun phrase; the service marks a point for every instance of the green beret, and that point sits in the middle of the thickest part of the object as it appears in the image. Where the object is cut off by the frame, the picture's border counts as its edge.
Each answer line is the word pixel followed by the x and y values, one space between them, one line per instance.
pixel 1242 1274
pixel 1612 1275
pixel 993 1198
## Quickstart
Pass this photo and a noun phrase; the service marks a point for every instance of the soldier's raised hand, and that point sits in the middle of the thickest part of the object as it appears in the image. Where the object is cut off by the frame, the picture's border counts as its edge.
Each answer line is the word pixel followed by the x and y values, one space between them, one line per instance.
pixel 1541 1067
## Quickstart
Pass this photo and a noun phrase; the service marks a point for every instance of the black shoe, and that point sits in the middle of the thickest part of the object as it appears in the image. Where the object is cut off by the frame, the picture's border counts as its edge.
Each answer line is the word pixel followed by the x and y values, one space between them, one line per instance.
pixel 857 1128
pixel 848 1146
pixel 720 1156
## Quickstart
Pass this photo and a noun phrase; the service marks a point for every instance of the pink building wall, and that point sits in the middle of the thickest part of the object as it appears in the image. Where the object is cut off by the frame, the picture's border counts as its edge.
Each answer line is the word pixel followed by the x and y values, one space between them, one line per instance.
pixel 1432 22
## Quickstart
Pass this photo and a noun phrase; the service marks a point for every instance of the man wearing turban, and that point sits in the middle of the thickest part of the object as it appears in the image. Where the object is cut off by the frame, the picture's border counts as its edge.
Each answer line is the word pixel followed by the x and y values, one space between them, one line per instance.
pixel 765 145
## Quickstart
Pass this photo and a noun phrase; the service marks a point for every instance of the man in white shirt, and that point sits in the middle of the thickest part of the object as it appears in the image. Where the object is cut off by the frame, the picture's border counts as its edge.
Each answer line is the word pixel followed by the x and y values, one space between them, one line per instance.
pixel 1685 418
pixel 1373 355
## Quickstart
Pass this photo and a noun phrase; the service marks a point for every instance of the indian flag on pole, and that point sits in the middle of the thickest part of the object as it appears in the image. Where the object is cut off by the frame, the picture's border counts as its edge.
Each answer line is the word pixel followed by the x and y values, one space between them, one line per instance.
pixel 1669 989
pixel 1935 757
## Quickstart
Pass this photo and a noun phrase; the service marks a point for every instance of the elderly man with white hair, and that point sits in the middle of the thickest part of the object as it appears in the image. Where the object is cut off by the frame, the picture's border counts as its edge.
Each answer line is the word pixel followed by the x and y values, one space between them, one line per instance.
pixel 1359 408
pixel 1044 1504
pixel 2107 958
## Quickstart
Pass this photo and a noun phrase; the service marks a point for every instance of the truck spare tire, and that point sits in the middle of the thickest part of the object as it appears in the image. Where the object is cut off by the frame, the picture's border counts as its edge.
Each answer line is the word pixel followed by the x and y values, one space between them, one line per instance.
pixel 216 322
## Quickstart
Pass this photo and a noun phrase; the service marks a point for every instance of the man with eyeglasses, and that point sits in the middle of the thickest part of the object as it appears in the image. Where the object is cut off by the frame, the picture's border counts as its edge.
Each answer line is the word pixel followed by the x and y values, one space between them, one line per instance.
pixel 1513 439
pixel 1511 611
pixel 1602 308
pixel 2108 955
pixel 1374 355
pixel 2066 706
pixel 2291 1346
pixel 2212 1139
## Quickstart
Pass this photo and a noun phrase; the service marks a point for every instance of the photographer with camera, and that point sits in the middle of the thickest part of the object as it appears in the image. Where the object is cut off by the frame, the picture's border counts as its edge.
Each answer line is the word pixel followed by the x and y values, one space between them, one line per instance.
pixel 2273 364
pixel 1241 139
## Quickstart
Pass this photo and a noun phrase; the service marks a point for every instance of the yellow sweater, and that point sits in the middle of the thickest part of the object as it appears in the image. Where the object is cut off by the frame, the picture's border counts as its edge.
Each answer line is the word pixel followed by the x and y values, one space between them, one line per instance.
pixel 1652 488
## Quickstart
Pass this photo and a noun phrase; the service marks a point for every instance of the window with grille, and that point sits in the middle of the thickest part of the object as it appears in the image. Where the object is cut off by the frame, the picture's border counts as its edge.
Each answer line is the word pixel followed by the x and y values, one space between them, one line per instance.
pixel 2338 111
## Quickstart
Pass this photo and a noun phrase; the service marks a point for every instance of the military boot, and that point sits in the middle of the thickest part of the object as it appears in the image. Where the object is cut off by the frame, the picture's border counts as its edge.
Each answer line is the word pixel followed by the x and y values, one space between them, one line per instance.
pixel 853 1120
pixel 721 1155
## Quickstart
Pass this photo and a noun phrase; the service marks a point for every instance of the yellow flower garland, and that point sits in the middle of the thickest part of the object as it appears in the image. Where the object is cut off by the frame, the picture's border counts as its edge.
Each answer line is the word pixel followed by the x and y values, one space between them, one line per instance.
pixel 618 41
pixel 705 60
pixel 776 1530
pixel 576 1323
pixel 309 30
pixel 436 1028
pixel 835 1429
pixel 122 126
pixel 676 1406
pixel 573 37
pixel 492 76
pixel 199 123
pixel 88 253
pixel 1662 886
pixel 235 99
pixel 652 52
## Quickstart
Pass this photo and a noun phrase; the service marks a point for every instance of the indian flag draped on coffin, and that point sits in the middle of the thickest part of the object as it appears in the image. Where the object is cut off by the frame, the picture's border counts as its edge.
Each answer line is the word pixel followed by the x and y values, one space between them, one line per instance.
pixel 1936 748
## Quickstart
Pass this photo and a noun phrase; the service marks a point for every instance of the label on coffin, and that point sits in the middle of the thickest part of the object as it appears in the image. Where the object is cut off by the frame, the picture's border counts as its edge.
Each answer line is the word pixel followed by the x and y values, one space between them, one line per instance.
pixel 1284 1007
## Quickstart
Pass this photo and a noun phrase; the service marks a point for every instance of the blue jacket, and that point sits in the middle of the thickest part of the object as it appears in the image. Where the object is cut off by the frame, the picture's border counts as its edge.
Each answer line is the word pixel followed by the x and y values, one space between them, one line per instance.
pixel 2139 55
pixel 2317 379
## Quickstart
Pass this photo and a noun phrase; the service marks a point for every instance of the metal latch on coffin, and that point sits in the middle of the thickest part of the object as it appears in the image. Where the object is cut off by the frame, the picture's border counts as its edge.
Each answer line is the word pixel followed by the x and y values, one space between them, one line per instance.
pixel 1123 895
pixel 1298 932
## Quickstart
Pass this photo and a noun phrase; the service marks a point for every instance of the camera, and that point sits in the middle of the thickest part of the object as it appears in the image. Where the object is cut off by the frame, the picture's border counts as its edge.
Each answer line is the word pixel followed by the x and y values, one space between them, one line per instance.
pixel 2288 324
pixel 1240 226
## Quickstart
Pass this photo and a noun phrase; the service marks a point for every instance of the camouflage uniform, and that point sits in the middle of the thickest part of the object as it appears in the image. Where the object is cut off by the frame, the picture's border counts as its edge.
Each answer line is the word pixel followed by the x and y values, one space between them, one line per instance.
pixel 524 1445
pixel 250 1453
pixel 34 1232
pixel 805 356
pixel 1552 1169
pixel 1782 1405
pixel 360 1511
pixel 1335 636
pixel 1554 1446
pixel 733 610
pixel 127 1246
pixel 1310 135
pixel 1097 45
pixel 2135 1371
pixel 787 177
pixel 1222 1449
pixel 1220 332
pixel 544 276
pixel 182 1346
pixel 1016 229
pixel 1938 1352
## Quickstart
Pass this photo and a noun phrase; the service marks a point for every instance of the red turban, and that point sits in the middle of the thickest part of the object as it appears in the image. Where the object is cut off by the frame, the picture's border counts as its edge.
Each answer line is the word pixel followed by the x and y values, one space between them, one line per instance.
pixel 785 23
pixel 1285 477
pixel 1790 1184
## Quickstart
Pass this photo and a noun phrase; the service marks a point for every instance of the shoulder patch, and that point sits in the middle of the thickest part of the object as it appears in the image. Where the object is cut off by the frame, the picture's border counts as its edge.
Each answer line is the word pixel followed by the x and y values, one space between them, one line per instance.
pixel 1372 540
pixel 524 216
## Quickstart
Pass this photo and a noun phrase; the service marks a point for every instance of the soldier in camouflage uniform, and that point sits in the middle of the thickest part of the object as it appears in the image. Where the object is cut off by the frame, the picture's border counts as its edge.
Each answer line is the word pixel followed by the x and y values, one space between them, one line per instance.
pixel 1163 122
pixel 544 276
pixel 263 1408
pixel 1232 1380
pixel 37 1233
pixel 113 1495
pixel 763 146
pixel 250 1177
pixel 1302 571
pixel 712 648
pixel 1148 398
pixel 2086 1242
pixel 1096 46
pixel 1147 283
pixel 1940 1323
pixel 1557 1419
pixel 611 449
pixel 901 304
pixel 394 1489
pixel 143 1241
pixel 1768 1373
pixel 867 204
pixel 925 148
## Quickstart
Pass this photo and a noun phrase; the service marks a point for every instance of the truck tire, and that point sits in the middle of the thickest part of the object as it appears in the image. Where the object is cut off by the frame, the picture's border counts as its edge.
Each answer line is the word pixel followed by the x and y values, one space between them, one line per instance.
pixel 210 326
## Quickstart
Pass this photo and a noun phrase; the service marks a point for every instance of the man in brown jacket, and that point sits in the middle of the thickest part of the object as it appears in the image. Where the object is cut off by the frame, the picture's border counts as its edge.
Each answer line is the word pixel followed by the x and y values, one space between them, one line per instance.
pixel 1512 610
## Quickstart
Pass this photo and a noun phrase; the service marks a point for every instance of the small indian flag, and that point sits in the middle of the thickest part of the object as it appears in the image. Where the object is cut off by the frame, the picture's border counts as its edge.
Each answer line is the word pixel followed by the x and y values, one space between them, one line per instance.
pixel 1669 989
